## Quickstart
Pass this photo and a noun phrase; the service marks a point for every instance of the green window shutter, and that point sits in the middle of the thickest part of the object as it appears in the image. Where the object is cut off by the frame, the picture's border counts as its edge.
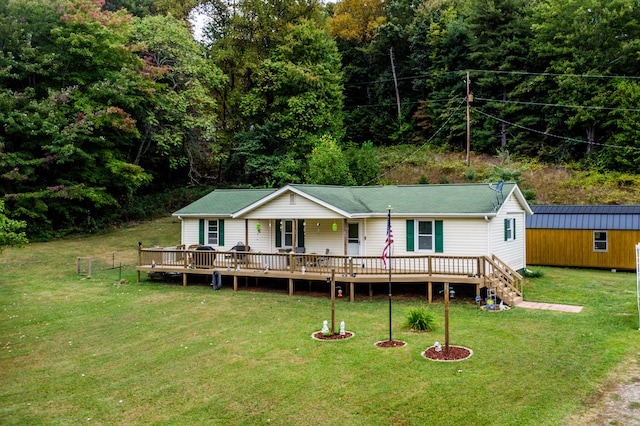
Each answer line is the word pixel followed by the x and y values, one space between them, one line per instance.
pixel 278 233
pixel 201 231
pixel 220 232
pixel 300 232
pixel 514 228
pixel 506 229
pixel 439 237
pixel 410 233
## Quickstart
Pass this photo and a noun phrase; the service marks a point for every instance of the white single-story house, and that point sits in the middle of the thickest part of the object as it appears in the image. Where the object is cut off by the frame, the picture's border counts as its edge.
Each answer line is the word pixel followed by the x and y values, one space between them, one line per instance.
pixel 450 220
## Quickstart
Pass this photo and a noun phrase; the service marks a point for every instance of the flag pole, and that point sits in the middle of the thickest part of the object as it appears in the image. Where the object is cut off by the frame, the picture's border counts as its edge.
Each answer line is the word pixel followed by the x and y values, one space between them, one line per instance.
pixel 389 264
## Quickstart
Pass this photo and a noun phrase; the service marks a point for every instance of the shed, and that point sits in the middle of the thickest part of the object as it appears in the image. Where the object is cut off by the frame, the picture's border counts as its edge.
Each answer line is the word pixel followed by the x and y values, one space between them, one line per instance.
pixel 597 236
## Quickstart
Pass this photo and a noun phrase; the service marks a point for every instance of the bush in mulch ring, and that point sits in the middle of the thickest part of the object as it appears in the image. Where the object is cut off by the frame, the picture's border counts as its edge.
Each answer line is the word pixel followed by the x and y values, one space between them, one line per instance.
pixel 390 343
pixel 456 353
pixel 319 335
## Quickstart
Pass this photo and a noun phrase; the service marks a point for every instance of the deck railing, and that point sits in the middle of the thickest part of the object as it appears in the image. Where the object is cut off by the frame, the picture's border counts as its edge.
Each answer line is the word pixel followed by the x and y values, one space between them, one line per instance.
pixel 470 266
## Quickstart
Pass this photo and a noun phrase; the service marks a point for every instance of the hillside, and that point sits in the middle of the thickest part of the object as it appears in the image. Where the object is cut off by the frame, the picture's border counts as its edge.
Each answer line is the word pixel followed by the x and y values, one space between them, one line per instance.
pixel 541 183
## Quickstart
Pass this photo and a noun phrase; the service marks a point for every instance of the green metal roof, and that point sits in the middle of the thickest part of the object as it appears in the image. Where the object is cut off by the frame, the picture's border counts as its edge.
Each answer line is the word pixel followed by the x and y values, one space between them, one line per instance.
pixel 223 202
pixel 414 199
pixel 454 199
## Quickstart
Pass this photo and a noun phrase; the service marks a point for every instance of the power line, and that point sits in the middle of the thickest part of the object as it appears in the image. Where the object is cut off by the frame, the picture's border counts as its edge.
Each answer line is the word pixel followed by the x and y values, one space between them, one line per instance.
pixel 502 101
pixel 552 135
pixel 419 148
pixel 531 73
pixel 551 74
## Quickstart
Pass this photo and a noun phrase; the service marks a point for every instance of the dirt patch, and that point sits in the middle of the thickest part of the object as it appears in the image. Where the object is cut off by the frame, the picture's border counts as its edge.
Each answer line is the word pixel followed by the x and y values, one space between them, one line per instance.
pixel 617 403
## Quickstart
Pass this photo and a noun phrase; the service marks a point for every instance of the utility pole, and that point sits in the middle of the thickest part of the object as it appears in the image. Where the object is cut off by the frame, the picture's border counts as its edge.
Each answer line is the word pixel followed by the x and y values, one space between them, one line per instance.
pixel 469 100
pixel 395 81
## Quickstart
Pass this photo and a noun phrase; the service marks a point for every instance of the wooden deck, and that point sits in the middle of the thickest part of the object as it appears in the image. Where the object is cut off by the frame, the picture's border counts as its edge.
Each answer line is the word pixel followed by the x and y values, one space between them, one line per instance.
pixel 479 271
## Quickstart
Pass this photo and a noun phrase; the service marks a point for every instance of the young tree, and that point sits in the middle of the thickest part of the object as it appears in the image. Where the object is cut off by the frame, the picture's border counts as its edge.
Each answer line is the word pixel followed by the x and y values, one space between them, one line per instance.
pixel 327 164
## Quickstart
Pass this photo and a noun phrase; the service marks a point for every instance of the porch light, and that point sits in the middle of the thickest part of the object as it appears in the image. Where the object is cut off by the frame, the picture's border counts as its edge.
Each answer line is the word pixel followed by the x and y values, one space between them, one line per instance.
pixel 258 226
pixel 318 226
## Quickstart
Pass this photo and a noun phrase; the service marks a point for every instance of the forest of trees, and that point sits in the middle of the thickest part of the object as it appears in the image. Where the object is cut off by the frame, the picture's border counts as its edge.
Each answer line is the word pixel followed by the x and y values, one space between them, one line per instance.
pixel 106 106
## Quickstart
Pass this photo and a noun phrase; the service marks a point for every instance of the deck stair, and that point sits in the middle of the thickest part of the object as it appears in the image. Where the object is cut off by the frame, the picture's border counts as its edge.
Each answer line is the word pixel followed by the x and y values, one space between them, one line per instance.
pixel 504 281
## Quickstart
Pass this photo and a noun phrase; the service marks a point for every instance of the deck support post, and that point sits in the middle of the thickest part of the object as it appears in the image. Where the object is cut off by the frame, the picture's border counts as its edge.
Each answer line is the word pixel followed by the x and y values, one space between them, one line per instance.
pixel 370 291
pixel 137 276
pixel 290 287
pixel 235 283
pixel 352 291
pixel 430 292
pixel 184 279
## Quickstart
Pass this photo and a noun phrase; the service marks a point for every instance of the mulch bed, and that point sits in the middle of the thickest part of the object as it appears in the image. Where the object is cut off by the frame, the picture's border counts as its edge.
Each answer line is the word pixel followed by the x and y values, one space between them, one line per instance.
pixel 390 343
pixel 456 353
pixel 319 335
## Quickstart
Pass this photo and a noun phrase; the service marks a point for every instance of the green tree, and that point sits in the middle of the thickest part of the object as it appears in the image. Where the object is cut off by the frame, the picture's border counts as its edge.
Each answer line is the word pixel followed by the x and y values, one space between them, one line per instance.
pixel 499 43
pixel 241 38
pixel 179 121
pixel 589 38
pixel 296 98
pixel 327 164
pixel 363 163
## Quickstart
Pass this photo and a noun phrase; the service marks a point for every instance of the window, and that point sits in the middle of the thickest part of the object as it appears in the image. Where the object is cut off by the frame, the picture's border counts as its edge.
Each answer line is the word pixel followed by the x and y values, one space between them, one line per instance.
pixel 509 229
pixel 599 240
pixel 212 233
pixel 425 235
pixel 287 233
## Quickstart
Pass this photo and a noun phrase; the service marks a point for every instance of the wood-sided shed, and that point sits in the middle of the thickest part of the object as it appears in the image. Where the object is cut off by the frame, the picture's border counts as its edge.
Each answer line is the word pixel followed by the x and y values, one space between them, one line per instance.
pixel 597 236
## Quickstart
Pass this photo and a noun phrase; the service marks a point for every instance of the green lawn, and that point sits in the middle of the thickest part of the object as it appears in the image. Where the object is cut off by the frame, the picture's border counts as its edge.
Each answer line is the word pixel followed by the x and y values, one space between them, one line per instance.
pixel 94 351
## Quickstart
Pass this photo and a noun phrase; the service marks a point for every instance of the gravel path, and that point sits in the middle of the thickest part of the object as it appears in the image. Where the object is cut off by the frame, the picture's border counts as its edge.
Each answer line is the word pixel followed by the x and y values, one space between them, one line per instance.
pixel 618 403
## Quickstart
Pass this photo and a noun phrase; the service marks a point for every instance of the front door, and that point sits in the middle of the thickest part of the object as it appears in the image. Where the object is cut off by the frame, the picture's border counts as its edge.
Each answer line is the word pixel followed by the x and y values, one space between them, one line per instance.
pixel 353 239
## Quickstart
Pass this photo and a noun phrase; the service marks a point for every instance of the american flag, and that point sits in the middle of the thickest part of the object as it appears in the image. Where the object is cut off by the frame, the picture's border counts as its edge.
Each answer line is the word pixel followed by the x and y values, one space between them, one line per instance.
pixel 386 252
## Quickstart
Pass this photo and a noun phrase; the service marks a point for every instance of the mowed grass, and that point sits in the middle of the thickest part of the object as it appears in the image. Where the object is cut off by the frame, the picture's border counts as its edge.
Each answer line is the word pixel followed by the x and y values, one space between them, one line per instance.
pixel 94 351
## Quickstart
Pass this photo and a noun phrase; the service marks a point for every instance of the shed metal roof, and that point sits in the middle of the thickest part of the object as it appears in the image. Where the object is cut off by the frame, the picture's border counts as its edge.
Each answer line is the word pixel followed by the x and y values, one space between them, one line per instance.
pixel 604 217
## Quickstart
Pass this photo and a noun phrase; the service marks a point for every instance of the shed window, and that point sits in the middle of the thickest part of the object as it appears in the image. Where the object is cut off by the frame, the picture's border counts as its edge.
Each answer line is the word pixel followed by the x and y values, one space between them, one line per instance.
pixel 600 242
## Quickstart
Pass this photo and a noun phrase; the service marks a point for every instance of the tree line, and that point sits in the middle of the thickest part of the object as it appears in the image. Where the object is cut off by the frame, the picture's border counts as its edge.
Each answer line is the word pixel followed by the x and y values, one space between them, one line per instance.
pixel 111 108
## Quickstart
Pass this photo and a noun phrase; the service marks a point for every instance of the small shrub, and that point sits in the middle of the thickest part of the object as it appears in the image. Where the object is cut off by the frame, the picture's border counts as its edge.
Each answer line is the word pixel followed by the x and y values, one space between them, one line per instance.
pixel 419 319
pixel 532 274
pixel 423 180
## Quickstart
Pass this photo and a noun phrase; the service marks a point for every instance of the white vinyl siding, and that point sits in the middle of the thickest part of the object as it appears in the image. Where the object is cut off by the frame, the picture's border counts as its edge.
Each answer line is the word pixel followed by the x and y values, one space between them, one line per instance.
pixel 281 208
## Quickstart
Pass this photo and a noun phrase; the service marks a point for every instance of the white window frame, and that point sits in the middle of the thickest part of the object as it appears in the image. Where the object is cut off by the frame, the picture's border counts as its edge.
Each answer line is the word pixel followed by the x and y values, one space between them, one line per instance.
pixel 598 240
pixel 287 233
pixel 419 238
pixel 212 236
pixel 509 230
